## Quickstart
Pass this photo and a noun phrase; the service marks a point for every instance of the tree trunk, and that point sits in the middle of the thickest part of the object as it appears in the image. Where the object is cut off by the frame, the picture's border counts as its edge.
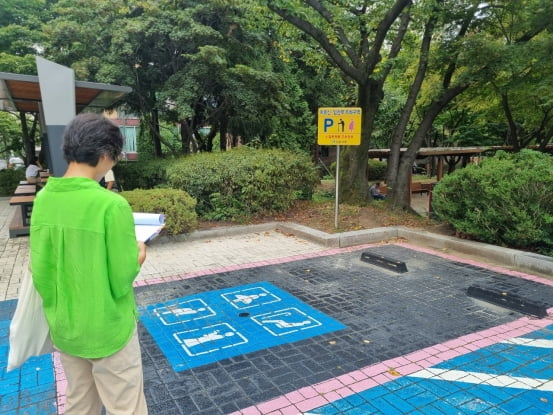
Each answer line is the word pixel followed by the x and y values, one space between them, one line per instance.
pixel 223 142
pixel 28 140
pixel 156 134
pixel 399 174
pixel 512 134
pixel 185 136
pixel 354 186
pixel 399 194
pixel 223 130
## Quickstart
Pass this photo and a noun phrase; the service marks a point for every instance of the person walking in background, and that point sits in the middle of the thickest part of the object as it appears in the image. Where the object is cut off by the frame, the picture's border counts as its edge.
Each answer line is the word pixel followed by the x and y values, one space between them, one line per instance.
pixel 32 172
pixel 109 181
pixel 84 259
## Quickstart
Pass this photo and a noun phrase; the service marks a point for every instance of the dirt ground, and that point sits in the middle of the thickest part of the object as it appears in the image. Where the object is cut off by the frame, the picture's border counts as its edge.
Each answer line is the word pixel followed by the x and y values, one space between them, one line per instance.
pixel 321 215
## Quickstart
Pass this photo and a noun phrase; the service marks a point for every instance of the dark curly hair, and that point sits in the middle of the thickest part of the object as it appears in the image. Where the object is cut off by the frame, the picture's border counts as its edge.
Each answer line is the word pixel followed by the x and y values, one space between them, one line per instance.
pixel 88 136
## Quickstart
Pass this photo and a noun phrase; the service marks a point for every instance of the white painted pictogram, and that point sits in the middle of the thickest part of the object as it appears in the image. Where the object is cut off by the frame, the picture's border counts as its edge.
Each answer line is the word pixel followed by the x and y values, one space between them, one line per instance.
pixel 286 321
pixel 184 311
pixel 250 297
pixel 209 339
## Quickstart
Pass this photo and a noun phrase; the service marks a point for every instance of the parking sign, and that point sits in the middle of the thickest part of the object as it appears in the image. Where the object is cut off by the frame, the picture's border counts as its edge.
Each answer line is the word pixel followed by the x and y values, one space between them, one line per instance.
pixel 339 126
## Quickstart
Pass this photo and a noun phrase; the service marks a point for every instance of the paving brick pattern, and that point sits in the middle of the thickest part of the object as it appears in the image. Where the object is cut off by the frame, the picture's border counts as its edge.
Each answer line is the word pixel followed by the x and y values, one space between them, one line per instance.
pixel 31 388
pixel 387 315
pixel 14 254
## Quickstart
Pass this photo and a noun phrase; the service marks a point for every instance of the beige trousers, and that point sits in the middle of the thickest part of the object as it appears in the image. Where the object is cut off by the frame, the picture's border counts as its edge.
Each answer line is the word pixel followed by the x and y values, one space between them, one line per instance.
pixel 116 382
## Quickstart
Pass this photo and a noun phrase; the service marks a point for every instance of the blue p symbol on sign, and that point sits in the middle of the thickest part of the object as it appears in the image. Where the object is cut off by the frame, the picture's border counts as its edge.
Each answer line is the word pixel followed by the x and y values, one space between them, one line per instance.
pixel 327 123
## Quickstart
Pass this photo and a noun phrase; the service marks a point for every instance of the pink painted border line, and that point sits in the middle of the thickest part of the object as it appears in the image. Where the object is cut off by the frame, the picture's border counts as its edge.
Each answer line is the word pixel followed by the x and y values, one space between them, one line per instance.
pixel 324 393
pixel 211 271
pixel 335 251
pixel 331 390
pixel 61 383
pixel 478 264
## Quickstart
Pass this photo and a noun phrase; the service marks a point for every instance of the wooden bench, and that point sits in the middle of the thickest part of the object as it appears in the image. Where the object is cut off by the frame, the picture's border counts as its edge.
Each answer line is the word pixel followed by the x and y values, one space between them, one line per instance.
pixel 44 176
pixel 25 190
pixel 24 196
pixel 16 225
pixel 21 221
pixel 420 188
pixel 416 187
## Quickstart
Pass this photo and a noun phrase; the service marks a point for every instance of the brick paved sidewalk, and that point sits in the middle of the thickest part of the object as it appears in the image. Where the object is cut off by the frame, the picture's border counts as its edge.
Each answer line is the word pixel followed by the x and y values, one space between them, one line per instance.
pixel 163 259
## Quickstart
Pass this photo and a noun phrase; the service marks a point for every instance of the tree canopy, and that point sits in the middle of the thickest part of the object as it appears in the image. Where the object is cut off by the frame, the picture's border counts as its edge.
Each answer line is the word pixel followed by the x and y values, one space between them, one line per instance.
pixel 447 72
pixel 429 53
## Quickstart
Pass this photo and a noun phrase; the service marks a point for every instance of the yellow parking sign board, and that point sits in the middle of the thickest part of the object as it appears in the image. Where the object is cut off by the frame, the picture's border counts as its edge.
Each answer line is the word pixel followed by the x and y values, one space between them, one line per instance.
pixel 339 126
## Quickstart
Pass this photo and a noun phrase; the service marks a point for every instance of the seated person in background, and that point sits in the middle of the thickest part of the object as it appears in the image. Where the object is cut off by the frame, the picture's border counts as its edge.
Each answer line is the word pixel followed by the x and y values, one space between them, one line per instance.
pixel 109 181
pixel 374 190
pixel 32 172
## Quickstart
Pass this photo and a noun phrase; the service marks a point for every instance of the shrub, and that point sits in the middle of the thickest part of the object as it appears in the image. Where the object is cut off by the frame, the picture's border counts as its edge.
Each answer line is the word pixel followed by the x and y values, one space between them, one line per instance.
pixel 377 170
pixel 506 200
pixel 145 174
pixel 243 181
pixel 177 206
pixel 9 180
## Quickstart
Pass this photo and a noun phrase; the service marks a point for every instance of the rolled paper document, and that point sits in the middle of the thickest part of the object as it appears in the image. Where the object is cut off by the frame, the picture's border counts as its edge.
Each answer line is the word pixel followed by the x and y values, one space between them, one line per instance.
pixel 141 218
pixel 148 225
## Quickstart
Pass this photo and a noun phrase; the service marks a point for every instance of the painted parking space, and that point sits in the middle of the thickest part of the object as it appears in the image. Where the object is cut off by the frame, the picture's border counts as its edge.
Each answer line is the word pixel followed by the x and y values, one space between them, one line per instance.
pixel 397 354
pixel 397 325
pixel 30 389
pixel 507 378
pixel 204 328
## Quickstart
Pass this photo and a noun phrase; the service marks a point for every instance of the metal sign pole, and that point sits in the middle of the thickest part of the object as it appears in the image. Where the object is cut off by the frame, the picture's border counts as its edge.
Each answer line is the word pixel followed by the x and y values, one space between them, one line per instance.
pixel 337 197
pixel 337 126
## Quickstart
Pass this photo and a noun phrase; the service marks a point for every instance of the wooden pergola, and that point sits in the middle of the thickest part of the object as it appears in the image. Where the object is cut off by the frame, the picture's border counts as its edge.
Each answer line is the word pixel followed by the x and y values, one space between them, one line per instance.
pixel 64 97
pixel 55 97
pixel 442 153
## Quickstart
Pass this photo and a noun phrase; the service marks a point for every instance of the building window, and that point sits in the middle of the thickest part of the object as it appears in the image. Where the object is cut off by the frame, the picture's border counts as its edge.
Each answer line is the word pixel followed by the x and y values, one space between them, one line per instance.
pixel 130 133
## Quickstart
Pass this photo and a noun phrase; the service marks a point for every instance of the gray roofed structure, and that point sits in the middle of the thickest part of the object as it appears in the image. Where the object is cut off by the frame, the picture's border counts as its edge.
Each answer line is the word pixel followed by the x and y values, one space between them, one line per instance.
pixel 21 93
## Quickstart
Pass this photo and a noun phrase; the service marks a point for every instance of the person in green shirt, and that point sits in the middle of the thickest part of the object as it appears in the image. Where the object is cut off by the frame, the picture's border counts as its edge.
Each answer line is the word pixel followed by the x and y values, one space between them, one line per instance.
pixel 84 259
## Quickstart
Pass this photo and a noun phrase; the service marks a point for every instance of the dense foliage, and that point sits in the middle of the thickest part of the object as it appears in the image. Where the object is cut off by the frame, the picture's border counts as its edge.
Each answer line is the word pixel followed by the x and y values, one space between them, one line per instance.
pixel 425 73
pixel 243 181
pixel 506 200
pixel 9 180
pixel 177 206
pixel 146 174
pixel 377 170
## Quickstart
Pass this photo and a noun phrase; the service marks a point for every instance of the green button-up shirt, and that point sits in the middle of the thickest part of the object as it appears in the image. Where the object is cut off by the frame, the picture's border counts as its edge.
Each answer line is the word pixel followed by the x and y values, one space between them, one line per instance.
pixel 84 259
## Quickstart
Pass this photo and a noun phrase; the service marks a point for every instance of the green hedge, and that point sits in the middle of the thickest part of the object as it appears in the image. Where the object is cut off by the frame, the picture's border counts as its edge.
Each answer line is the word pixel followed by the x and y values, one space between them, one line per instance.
pixel 9 180
pixel 243 181
pixel 506 200
pixel 144 174
pixel 377 170
pixel 177 205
